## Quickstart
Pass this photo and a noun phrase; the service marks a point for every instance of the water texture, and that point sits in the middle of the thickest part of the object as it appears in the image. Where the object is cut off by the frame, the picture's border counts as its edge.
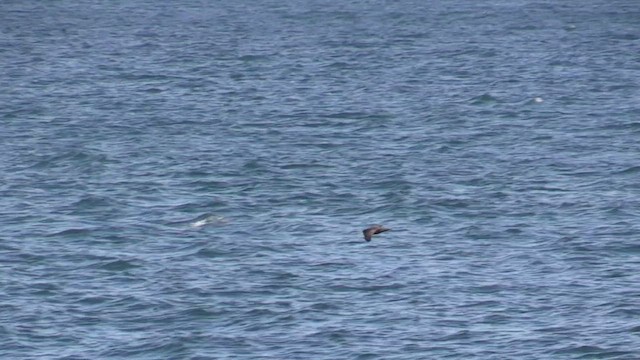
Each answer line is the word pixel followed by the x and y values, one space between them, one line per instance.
pixel 189 179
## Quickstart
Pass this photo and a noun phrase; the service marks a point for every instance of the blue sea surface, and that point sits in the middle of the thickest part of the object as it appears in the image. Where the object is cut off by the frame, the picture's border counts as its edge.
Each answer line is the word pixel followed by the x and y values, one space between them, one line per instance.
pixel 190 179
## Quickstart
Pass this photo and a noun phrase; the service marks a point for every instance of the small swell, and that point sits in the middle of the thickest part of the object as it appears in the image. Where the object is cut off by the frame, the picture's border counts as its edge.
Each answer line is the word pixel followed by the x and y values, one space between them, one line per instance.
pixel 119 265
pixel 483 99
pixel 629 171
pixel 74 232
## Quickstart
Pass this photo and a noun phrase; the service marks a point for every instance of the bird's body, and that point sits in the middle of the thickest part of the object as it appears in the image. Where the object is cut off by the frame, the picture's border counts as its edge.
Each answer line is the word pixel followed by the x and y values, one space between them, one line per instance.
pixel 375 229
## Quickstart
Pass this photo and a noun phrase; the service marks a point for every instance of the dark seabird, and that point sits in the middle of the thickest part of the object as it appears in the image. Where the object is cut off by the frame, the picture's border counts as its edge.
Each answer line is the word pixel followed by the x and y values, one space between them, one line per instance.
pixel 375 229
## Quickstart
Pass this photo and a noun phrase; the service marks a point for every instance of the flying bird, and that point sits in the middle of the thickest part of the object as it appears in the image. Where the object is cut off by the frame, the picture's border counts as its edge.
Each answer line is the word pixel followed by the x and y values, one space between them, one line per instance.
pixel 375 229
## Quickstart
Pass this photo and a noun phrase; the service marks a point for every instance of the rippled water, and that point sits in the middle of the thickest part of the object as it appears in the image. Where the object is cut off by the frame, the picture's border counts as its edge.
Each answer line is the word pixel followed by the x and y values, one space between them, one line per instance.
pixel 190 180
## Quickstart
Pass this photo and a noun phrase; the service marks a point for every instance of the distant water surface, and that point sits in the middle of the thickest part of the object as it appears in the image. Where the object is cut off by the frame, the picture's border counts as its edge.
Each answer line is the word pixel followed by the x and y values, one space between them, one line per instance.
pixel 189 179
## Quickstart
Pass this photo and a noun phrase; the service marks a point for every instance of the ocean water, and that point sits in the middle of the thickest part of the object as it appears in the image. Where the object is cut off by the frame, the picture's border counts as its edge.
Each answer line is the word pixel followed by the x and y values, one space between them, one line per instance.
pixel 190 179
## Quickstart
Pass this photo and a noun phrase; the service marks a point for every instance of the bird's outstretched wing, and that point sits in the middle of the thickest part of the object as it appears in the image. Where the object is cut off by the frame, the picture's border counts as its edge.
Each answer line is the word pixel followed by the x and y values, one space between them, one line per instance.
pixel 368 233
